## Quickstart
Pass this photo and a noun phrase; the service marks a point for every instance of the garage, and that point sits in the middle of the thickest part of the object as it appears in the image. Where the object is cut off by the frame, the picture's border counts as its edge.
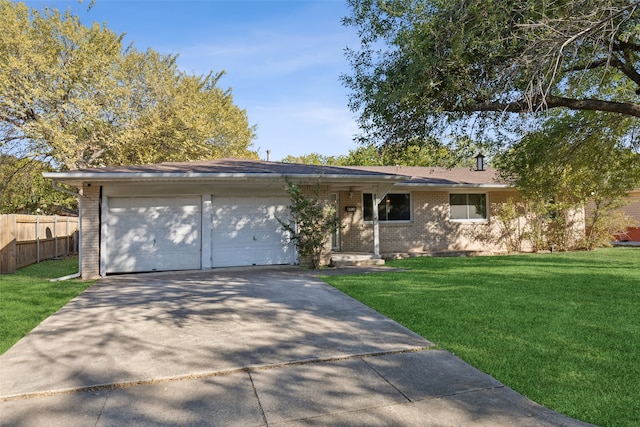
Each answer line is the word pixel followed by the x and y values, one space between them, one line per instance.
pixel 245 231
pixel 199 215
pixel 152 234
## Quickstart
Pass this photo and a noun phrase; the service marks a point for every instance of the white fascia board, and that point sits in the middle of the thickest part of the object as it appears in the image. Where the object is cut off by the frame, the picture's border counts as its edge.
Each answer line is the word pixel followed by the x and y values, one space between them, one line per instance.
pixel 459 186
pixel 191 176
pixel 110 176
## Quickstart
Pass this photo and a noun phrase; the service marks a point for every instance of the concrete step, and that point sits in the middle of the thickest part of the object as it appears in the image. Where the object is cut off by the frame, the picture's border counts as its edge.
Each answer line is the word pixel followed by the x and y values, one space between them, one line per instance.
pixel 355 260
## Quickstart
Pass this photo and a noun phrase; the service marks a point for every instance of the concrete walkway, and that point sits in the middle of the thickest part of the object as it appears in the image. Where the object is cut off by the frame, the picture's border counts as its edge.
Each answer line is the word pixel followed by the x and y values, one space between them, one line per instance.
pixel 250 347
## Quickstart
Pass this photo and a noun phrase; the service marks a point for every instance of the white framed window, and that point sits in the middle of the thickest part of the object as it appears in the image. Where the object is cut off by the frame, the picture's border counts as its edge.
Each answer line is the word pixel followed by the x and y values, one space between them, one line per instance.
pixel 467 206
pixel 394 207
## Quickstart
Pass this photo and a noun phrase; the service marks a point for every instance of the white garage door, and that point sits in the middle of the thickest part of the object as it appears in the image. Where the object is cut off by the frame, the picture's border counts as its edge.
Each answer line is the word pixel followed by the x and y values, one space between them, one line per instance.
pixel 153 234
pixel 245 231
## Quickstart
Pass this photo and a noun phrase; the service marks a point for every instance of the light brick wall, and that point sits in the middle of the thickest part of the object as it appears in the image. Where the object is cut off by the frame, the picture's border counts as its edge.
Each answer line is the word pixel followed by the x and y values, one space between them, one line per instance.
pixel 355 236
pixel 430 229
pixel 90 232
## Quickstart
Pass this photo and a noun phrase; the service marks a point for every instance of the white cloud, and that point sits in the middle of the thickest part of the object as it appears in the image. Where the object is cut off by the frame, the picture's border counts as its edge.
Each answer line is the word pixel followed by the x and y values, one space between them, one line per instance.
pixel 265 55
pixel 303 128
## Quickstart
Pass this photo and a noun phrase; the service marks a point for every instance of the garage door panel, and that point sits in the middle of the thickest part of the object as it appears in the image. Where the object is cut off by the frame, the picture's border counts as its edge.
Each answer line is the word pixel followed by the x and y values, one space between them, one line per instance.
pixel 153 234
pixel 233 257
pixel 251 256
pixel 246 231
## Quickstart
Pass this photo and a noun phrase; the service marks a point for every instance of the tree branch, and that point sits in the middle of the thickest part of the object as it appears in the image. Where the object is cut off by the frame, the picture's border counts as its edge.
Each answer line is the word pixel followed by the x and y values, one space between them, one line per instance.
pixel 626 66
pixel 550 101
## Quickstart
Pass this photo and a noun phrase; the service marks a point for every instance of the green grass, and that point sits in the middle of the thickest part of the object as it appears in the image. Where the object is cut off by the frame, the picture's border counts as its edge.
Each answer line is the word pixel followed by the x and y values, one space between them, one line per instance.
pixel 563 329
pixel 28 297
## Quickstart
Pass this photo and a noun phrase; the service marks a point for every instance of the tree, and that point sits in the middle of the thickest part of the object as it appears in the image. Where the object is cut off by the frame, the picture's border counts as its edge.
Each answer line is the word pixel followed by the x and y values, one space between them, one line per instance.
pixel 403 154
pixel 414 153
pixel 23 189
pixel 431 65
pixel 313 159
pixel 573 159
pixel 74 95
pixel 312 222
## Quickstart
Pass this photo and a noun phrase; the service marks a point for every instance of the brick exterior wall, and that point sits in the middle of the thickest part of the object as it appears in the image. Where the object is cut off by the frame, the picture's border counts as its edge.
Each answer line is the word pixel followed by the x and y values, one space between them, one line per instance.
pixel 90 232
pixel 430 229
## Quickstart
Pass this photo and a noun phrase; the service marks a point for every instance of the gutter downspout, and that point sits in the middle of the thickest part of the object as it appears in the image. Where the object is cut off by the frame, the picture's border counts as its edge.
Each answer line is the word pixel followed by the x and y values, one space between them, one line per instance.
pixel 79 196
pixel 70 276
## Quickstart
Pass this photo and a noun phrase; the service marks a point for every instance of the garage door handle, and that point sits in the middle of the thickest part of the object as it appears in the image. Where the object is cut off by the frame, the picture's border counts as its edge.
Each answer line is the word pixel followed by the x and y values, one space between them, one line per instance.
pixel 254 238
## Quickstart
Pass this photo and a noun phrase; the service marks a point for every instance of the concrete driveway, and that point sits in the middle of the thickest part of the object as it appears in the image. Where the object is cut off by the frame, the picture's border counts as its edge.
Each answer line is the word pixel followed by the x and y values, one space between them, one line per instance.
pixel 272 346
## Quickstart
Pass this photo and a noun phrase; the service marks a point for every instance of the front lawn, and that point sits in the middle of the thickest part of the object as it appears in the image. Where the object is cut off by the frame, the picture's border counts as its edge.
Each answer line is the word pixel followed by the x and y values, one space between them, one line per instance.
pixel 563 329
pixel 28 297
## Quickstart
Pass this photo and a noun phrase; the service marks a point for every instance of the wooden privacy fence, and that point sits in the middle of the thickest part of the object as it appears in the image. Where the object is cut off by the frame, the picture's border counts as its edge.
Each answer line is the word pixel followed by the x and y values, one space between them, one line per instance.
pixel 28 239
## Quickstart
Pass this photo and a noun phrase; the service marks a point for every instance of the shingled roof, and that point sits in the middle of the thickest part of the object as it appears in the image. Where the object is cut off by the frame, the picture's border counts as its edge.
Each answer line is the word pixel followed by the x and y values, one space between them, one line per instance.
pixel 221 169
pixel 440 177
pixel 240 168
pixel 232 167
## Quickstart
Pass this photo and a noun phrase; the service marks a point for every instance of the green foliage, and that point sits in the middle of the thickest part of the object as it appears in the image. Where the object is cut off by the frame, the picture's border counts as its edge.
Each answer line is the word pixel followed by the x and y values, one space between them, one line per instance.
pixel 73 94
pixel 314 159
pixel 312 222
pixel 562 329
pixel 573 159
pixel 428 65
pixel 431 153
pixel 512 229
pixel 24 190
pixel 605 223
pixel 28 297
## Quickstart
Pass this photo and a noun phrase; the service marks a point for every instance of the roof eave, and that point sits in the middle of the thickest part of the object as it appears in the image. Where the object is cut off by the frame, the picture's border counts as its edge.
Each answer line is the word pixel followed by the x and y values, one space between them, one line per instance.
pixel 75 178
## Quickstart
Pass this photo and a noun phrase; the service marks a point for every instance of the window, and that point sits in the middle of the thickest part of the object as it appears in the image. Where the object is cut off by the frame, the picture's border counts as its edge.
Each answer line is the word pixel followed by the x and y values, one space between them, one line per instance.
pixel 468 206
pixel 394 207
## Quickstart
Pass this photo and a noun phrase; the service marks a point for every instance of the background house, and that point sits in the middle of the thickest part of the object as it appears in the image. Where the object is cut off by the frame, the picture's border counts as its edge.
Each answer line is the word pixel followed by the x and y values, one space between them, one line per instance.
pixel 631 209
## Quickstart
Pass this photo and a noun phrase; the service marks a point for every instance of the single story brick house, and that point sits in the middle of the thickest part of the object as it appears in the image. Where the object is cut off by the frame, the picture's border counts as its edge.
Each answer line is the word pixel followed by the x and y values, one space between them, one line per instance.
pixel 221 213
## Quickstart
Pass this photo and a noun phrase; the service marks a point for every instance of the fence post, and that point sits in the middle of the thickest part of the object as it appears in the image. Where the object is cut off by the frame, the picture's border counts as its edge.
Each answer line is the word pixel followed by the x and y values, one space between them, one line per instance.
pixel 37 238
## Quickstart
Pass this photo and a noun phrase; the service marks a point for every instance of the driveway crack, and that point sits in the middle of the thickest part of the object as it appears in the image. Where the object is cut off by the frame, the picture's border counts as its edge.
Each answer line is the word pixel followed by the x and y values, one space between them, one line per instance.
pixel 104 404
pixel 387 381
pixel 255 393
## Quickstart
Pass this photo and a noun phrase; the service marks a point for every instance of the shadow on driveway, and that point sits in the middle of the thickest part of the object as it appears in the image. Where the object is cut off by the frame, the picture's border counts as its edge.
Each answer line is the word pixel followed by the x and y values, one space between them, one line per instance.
pixel 256 347
pixel 142 327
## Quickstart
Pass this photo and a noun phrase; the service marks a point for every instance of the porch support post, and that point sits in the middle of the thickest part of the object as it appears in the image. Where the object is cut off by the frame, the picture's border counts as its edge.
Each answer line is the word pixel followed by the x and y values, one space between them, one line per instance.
pixel 380 192
pixel 376 229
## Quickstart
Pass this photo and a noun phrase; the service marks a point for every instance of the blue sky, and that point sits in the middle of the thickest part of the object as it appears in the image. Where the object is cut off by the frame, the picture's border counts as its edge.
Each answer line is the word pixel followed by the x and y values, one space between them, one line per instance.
pixel 282 60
